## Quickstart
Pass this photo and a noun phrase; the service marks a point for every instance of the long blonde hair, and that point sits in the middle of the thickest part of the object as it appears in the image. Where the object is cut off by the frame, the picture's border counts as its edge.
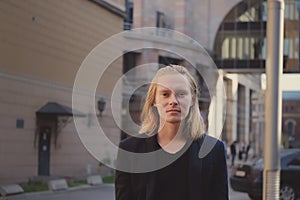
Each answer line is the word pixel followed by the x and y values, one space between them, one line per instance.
pixel 150 118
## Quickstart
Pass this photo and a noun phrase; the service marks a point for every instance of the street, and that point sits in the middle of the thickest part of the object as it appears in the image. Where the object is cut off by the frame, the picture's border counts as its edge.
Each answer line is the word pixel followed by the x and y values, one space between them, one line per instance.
pixel 233 195
pixel 100 192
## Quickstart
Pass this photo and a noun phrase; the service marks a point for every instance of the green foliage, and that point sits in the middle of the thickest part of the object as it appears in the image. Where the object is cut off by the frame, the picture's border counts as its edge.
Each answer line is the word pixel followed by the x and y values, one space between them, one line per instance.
pixel 38 186
pixel 77 183
pixel 108 179
pixel 35 187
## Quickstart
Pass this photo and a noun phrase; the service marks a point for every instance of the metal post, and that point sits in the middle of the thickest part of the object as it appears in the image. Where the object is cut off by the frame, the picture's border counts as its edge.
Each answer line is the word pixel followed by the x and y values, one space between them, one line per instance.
pixel 273 101
pixel 298 9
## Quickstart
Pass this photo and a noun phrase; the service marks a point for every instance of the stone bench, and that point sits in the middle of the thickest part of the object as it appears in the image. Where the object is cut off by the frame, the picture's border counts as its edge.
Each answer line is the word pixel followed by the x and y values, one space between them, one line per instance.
pixel 58 184
pixel 10 189
pixel 94 180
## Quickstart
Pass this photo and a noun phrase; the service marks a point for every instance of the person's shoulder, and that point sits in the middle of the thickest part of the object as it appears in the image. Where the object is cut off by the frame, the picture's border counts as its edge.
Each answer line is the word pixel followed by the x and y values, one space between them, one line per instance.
pixel 207 137
pixel 210 140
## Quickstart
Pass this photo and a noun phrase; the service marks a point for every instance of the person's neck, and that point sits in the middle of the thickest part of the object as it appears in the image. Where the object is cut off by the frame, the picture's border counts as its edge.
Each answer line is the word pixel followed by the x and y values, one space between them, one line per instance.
pixel 171 138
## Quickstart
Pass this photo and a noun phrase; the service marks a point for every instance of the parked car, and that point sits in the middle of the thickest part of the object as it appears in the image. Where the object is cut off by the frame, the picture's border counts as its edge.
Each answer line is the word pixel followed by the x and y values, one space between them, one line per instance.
pixel 249 178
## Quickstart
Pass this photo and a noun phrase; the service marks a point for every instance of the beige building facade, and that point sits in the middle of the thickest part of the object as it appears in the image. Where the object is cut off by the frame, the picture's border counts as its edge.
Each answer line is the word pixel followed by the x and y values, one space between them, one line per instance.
pixel 42 46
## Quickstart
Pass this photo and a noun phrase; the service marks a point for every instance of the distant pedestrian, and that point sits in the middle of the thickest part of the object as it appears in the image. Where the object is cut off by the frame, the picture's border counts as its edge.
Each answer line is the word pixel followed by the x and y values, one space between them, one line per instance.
pixel 241 151
pixel 247 151
pixel 233 152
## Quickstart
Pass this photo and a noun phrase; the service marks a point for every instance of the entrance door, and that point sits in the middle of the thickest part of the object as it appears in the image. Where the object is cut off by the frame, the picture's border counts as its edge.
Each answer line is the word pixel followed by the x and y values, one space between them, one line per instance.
pixel 44 151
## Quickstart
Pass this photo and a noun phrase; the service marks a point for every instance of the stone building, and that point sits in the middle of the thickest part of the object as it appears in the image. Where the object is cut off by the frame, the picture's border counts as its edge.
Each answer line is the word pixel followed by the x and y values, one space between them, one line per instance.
pixel 291 119
pixel 233 33
pixel 42 46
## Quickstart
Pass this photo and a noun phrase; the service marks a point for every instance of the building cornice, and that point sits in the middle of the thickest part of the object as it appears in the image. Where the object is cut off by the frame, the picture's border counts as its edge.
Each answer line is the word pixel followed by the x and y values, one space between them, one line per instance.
pixel 112 8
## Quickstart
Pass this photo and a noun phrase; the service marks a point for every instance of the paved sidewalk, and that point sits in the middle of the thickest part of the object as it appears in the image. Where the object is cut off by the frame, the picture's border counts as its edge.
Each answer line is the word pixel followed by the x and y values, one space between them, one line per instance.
pixel 85 192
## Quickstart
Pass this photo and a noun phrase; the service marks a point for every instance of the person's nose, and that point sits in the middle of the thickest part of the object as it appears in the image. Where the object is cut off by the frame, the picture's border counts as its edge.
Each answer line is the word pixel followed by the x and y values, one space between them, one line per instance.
pixel 173 100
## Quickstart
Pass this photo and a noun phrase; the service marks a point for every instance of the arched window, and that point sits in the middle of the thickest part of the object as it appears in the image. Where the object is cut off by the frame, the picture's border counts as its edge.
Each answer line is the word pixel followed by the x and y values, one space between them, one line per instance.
pixel 240 42
pixel 290 127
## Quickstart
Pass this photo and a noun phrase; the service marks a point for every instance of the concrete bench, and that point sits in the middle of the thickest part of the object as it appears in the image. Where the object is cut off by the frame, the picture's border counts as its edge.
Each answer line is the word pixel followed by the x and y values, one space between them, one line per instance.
pixel 58 184
pixel 10 189
pixel 94 180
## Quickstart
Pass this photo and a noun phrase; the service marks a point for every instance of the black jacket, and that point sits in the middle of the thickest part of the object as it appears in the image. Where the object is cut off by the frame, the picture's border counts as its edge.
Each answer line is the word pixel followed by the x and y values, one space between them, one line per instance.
pixel 207 175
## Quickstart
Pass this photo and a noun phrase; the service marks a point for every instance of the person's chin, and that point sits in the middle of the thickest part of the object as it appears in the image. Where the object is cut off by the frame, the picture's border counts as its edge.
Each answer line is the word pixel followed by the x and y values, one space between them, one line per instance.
pixel 174 119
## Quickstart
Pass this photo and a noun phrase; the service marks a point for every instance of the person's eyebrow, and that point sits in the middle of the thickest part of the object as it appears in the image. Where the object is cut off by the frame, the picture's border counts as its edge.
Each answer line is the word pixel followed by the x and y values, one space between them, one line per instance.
pixel 161 90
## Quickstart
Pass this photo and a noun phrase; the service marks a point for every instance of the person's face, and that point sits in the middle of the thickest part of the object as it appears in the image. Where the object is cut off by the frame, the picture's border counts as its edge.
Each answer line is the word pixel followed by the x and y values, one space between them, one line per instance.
pixel 173 98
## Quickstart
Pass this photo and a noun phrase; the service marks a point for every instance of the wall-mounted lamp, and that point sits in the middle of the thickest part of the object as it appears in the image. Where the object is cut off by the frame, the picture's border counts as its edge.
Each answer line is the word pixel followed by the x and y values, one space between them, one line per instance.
pixel 101 105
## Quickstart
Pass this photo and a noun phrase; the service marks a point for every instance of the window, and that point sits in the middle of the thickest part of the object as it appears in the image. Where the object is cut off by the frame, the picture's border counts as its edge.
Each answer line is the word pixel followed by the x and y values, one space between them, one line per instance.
pixel 290 125
pixel 160 20
pixel 241 39
pixel 295 162
pixel 129 61
pixel 128 20
pixel 168 61
pixel 20 123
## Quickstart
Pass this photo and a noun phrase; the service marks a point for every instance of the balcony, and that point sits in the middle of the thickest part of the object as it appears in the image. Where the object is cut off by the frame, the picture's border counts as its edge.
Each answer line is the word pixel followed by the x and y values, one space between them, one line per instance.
pixel 237 65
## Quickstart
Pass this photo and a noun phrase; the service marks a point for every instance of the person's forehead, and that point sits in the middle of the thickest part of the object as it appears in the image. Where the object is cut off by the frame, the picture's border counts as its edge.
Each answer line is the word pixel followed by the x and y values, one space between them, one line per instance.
pixel 173 81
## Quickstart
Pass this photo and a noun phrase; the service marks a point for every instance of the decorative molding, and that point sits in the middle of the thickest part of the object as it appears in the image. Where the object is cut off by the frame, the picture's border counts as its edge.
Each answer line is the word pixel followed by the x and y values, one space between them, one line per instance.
pixel 110 7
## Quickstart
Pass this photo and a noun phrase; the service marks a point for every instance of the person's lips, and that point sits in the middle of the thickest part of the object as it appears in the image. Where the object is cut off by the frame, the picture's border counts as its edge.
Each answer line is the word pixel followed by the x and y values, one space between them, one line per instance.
pixel 173 110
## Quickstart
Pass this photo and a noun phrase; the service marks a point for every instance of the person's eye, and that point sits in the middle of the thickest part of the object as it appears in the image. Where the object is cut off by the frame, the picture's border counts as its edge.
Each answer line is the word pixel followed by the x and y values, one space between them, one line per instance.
pixel 165 94
pixel 181 94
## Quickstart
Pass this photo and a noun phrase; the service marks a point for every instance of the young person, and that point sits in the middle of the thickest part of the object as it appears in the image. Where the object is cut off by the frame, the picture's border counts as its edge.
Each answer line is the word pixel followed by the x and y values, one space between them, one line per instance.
pixel 172 123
